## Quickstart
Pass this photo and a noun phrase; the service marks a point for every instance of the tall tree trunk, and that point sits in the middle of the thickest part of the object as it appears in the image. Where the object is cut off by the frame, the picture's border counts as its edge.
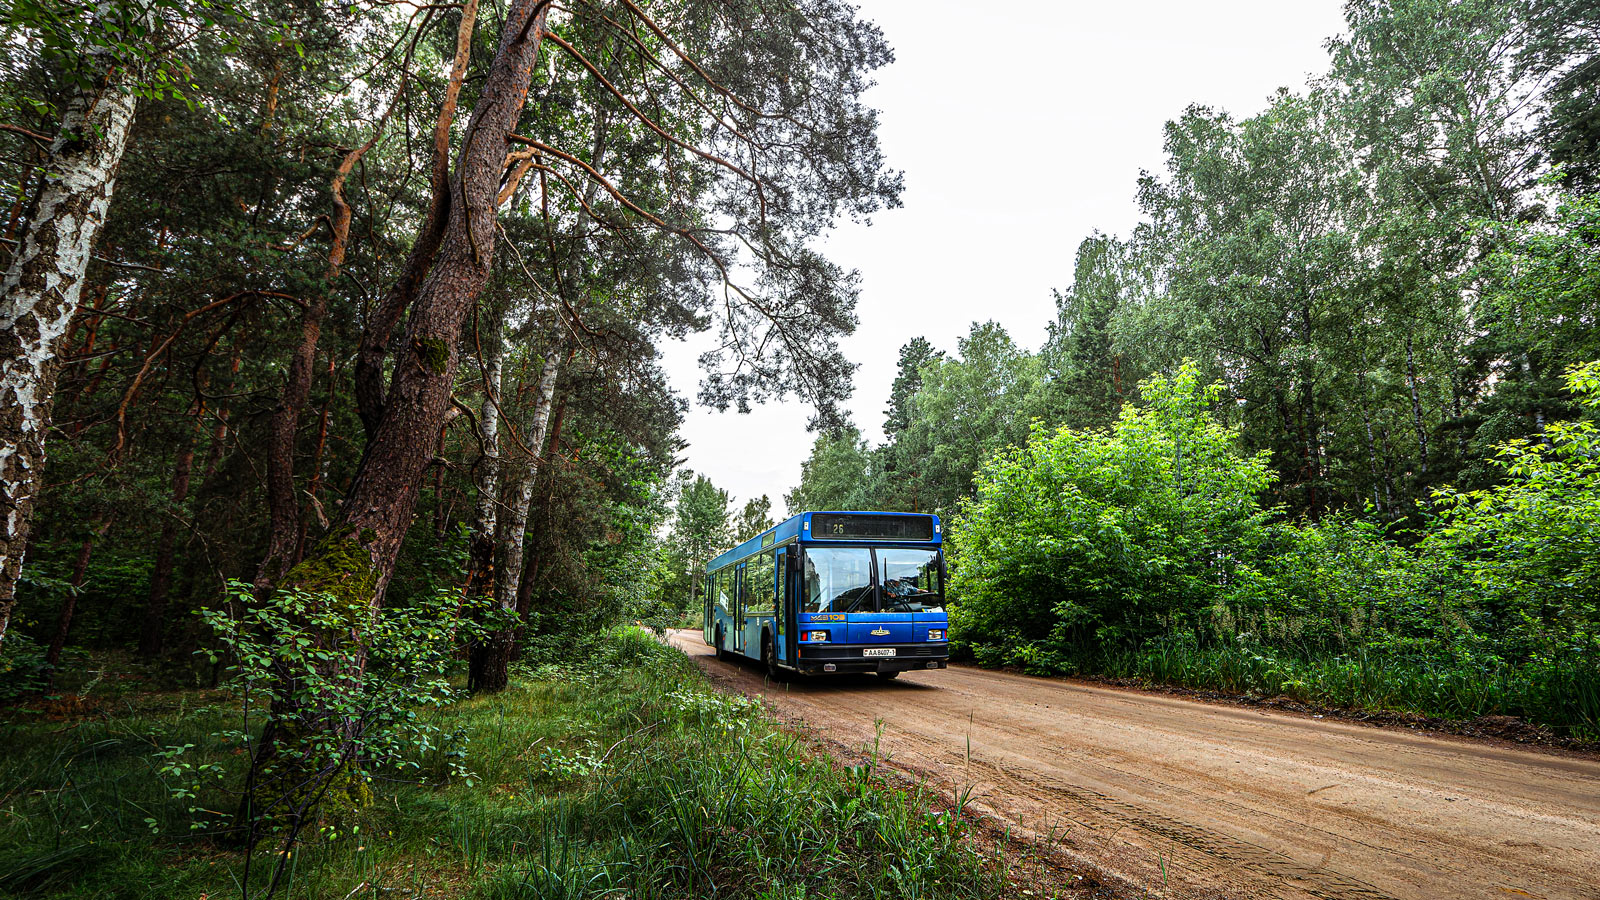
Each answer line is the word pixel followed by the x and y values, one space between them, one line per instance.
pixel 1379 483
pixel 283 508
pixel 155 604
pixel 39 295
pixel 353 564
pixel 374 348
pixel 486 479
pixel 315 485
pixel 491 659
pixel 1416 407
pixel 383 496
pixel 530 561
pixel 69 603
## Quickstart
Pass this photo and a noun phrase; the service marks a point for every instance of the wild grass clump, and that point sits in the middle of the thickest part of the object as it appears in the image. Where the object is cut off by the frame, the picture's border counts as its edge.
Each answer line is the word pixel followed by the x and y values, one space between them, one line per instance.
pixel 616 771
pixel 1561 694
pixel 668 789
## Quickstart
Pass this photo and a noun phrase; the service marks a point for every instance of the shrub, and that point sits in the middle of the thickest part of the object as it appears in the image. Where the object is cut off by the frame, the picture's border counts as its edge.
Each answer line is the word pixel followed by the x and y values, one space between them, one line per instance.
pixel 1143 550
pixel 1087 539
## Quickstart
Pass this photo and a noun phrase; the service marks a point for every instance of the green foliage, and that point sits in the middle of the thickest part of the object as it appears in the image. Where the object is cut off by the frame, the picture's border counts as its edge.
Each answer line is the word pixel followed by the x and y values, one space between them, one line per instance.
pixel 83 41
pixel 944 417
pixel 837 475
pixel 612 769
pixel 339 711
pixel 1086 371
pixel 1143 550
pixel 23 669
pixel 1087 538
pixel 1546 281
pixel 916 353
pixel 1530 545
pixel 966 408
pixel 699 532
pixel 755 518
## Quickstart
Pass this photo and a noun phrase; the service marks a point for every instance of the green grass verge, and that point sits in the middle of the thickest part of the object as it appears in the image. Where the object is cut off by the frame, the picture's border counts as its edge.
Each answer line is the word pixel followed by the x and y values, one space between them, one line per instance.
pixel 1561 695
pixel 623 775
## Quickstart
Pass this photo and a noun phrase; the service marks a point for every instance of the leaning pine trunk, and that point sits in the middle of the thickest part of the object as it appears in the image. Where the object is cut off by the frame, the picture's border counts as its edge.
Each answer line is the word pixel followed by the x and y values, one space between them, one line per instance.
pixel 283 508
pixel 351 567
pixel 378 510
pixel 39 295
pixel 491 658
pixel 374 348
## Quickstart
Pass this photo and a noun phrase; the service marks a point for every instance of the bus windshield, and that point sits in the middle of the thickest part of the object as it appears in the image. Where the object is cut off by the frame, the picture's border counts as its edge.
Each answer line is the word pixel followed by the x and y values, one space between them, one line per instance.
pixel 910 580
pixel 838 579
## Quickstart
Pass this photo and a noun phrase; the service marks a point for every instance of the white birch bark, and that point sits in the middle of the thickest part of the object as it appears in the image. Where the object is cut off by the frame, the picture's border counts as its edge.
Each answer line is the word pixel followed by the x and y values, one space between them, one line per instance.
pixel 485 513
pixel 39 295
pixel 508 561
pixel 1416 408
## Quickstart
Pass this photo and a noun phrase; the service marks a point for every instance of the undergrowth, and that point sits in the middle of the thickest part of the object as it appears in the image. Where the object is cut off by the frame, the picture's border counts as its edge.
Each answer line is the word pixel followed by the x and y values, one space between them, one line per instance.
pixel 1562 695
pixel 615 773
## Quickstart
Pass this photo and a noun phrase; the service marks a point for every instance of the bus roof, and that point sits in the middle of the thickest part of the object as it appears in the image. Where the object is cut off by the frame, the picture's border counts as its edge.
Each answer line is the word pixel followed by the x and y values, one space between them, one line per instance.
pixel 799 526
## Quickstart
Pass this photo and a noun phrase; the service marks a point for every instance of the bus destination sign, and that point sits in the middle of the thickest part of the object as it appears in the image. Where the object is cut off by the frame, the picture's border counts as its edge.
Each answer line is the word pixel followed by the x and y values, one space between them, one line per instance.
pixel 851 527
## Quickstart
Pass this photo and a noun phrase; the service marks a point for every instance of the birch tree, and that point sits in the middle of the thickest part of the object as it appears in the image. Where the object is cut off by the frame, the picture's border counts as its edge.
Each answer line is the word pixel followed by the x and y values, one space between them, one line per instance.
pixel 42 284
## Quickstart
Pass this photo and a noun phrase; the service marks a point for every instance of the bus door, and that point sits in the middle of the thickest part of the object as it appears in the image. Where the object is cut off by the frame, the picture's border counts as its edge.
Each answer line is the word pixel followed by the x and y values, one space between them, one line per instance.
pixel 738 610
pixel 785 610
pixel 709 626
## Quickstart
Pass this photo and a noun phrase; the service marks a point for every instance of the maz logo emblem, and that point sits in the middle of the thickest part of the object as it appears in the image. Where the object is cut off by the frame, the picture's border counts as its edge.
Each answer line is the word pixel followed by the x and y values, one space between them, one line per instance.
pixel 880 631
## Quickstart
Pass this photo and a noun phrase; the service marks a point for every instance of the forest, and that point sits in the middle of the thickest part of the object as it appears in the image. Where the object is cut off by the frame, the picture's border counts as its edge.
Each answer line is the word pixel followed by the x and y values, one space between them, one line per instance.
pixel 336 450
pixel 1322 424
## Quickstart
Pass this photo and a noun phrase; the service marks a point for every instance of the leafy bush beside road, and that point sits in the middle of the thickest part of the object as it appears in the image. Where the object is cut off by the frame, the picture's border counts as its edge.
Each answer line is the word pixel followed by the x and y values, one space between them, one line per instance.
pixel 1144 550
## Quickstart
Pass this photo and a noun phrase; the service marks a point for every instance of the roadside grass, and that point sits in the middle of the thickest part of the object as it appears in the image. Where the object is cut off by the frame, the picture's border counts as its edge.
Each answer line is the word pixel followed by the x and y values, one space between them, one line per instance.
pixel 1561 695
pixel 617 773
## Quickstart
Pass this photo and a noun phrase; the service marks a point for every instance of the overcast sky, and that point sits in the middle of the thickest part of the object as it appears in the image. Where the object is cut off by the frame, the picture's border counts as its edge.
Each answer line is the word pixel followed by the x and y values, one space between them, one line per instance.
pixel 1021 127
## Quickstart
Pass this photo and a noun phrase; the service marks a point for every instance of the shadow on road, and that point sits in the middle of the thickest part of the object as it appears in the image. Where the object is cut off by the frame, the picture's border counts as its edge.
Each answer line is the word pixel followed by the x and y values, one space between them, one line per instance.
pixel 849 682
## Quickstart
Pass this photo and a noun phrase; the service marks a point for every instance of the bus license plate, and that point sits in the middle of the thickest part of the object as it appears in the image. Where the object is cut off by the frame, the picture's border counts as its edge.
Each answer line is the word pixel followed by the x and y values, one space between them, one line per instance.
pixel 878 651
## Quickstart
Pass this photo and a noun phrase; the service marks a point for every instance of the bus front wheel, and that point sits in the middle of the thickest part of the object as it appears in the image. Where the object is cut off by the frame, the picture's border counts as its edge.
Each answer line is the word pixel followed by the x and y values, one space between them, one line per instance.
pixel 769 655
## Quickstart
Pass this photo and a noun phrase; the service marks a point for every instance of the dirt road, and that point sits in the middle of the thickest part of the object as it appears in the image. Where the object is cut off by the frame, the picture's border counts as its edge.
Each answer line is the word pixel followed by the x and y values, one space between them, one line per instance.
pixel 1234 802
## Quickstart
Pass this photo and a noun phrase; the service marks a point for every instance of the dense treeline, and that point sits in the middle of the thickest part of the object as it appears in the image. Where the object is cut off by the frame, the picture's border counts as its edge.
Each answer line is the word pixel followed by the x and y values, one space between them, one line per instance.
pixel 1386 278
pixel 329 337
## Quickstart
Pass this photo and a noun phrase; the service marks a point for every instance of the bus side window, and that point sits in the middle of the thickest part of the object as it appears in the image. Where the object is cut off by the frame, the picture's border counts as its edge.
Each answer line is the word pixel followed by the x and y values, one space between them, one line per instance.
pixel 780 569
pixel 759 592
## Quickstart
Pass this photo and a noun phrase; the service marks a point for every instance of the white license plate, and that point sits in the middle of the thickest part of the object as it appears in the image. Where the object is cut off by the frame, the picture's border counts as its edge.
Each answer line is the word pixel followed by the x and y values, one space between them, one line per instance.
pixel 878 651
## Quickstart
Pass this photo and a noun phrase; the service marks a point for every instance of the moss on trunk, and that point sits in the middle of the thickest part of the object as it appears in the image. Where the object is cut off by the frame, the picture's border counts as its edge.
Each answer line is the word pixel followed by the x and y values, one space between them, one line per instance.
pixel 306 769
pixel 341 569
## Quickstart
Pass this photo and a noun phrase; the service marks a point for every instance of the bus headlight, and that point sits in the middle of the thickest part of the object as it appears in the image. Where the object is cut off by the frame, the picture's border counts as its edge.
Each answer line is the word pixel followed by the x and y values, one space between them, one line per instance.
pixel 814 636
pixel 936 634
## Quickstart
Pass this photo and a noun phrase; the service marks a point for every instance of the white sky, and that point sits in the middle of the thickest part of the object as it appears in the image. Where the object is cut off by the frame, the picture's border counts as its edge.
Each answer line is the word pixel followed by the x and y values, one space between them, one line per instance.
pixel 1021 127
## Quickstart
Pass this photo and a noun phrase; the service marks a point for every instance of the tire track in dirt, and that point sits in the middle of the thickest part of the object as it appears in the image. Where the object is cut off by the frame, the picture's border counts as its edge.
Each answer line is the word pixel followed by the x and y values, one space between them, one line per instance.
pixel 1222 801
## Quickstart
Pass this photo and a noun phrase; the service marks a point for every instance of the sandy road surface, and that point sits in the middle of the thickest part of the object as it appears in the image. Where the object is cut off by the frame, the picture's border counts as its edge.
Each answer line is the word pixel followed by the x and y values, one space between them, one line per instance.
pixel 1238 802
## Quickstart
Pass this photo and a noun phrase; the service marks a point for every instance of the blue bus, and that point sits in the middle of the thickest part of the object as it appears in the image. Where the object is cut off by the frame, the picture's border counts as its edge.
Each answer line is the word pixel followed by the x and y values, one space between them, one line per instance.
pixel 833 592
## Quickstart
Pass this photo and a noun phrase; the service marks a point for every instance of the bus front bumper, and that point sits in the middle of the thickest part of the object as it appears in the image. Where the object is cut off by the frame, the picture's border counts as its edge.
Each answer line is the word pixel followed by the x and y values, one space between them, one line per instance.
pixel 827 658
